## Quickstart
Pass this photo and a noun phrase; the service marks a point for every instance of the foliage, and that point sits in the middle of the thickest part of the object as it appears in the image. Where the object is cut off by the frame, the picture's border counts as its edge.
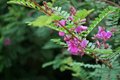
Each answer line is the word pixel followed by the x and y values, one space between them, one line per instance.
pixel 19 42
pixel 101 16
pixel 27 3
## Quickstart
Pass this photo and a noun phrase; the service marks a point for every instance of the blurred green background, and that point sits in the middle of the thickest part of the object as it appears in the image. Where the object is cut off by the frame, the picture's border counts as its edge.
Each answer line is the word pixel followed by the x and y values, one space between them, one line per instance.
pixel 23 49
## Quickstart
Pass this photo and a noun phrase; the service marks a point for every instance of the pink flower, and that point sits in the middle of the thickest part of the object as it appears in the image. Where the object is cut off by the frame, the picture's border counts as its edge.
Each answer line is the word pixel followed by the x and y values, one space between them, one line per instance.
pixel 62 23
pixel 75 47
pixel 61 33
pixel 7 42
pixel 102 34
pixel 106 35
pixel 79 29
pixel 70 18
pixel 72 47
pixel 83 44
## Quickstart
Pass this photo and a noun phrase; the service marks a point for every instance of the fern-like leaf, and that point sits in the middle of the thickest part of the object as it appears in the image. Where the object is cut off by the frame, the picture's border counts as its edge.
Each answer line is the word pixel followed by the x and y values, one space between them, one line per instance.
pixel 86 65
pixel 31 4
pixel 101 16
pixel 60 12
pixel 26 3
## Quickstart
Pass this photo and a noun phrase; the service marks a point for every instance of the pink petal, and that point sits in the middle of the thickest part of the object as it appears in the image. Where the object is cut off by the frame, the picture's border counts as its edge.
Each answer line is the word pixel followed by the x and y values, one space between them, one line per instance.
pixel 109 34
pixel 98 36
pixel 84 28
pixel 103 34
pixel 83 43
pixel 79 29
pixel 70 18
pixel 61 33
pixel 72 47
pixel 100 29
pixel 62 23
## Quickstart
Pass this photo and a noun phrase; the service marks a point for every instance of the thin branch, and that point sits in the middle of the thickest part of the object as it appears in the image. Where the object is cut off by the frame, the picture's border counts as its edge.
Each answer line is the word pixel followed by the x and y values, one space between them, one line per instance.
pixel 71 33
pixel 103 61
pixel 111 3
pixel 42 9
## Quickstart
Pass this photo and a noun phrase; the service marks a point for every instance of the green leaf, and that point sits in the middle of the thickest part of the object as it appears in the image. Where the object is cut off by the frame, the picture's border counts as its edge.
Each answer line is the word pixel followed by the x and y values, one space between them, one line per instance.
pixel 67 60
pixel 64 67
pixel 47 64
pixel 42 21
pixel 51 45
pixel 58 41
pixel 56 17
pixel 81 14
pixel 103 51
pixel 27 3
pixel 60 12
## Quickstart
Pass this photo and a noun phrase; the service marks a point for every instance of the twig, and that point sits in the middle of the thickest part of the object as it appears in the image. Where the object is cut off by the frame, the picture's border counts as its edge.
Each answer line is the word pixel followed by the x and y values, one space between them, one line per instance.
pixel 103 61
pixel 42 9
pixel 111 3
pixel 71 33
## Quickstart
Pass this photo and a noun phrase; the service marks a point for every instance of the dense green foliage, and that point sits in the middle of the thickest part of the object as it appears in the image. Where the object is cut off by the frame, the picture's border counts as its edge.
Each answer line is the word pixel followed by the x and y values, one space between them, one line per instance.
pixel 26 52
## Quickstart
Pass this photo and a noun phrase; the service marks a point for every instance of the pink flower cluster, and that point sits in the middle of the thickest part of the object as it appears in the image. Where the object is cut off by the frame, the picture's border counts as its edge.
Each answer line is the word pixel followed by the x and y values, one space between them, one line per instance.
pixel 75 46
pixel 102 35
